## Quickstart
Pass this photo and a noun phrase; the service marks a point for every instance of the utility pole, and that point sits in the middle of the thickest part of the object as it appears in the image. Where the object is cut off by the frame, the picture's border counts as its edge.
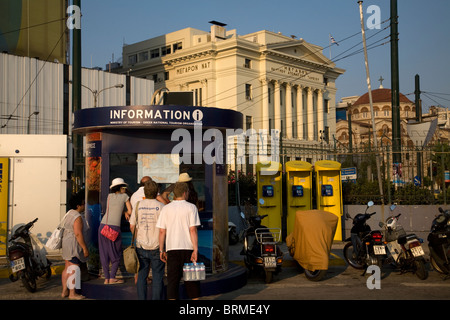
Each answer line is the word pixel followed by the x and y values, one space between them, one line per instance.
pixel 418 103
pixel 78 173
pixel 375 143
pixel 395 87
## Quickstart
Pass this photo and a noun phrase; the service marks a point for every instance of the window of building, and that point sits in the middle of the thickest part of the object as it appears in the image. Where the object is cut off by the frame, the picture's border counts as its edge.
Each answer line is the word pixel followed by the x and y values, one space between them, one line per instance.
pixel 248 122
pixel 154 53
pixel 177 46
pixel 247 63
pixel 132 59
pixel 248 91
pixel 166 75
pixel 166 50
pixel 143 56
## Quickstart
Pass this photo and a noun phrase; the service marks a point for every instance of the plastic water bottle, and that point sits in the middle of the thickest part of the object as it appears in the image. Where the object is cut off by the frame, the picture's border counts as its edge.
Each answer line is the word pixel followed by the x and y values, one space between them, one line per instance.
pixel 202 271
pixel 187 272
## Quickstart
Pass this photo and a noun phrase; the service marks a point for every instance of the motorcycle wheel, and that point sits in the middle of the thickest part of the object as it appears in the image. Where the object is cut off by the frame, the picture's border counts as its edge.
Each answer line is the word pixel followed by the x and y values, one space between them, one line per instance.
pixel 351 260
pixel 28 280
pixel 435 265
pixel 316 275
pixel 48 272
pixel 268 276
pixel 420 270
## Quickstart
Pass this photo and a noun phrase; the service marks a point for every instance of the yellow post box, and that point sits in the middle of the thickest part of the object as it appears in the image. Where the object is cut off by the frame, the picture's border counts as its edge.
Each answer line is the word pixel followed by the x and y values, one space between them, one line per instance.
pixel 269 184
pixel 298 190
pixel 329 190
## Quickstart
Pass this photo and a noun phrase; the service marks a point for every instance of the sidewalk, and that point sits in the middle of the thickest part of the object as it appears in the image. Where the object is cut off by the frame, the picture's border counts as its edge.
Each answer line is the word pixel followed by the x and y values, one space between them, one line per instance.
pixel 234 257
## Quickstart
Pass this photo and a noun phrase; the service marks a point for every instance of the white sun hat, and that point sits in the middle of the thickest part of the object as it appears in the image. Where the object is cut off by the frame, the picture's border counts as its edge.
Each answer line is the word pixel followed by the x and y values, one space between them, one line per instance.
pixel 117 182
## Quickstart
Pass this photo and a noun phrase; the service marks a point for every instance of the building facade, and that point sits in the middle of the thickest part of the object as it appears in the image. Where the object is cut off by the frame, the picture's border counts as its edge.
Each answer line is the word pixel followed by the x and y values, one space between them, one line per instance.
pixel 275 81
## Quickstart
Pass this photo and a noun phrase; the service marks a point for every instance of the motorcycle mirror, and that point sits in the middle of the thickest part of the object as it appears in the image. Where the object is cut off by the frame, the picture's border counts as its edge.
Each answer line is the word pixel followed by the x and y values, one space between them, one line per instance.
pixel 392 207
pixel 370 203
pixel 347 215
pixel 441 210
pixel 242 215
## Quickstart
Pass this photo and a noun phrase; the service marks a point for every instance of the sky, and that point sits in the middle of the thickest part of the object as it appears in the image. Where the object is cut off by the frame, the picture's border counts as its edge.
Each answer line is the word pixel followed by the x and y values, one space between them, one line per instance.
pixel 424 35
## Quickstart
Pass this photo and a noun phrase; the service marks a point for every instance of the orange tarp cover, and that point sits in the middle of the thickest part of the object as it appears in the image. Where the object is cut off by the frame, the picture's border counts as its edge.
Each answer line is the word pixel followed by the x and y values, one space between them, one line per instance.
pixel 310 242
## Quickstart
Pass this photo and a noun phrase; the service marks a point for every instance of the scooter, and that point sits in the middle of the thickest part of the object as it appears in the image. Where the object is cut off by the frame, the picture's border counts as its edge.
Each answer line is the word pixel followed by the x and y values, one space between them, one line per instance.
pixel 406 251
pixel 27 259
pixel 365 247
pixel 261 251
pixel 439 242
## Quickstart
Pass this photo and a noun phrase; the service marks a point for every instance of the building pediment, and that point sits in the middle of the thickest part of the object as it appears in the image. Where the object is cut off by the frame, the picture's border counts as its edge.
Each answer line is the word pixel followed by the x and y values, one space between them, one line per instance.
pixel 300 49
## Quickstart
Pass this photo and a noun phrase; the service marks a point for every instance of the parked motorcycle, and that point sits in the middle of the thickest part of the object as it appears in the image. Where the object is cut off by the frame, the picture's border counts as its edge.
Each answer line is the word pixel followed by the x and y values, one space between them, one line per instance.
pixel 261 251
pixel 27 259
pixel 365 247
pixel 406 251
pixel 439 242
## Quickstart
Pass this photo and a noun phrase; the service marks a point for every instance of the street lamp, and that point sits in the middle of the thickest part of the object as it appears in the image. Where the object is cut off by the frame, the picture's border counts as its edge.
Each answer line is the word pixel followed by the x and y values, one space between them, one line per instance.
pixel 29 118
pixel 96 93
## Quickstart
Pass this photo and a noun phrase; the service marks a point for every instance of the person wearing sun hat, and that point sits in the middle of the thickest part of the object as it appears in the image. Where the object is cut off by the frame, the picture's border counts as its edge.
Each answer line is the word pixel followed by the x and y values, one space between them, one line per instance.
pixel 111 251
pixel 192 196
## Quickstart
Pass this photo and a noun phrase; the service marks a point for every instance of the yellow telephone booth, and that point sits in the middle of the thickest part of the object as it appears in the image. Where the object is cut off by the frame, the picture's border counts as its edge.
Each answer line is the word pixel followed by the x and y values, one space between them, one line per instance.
pixel 329 190
pixel 269 179
pixel 298 190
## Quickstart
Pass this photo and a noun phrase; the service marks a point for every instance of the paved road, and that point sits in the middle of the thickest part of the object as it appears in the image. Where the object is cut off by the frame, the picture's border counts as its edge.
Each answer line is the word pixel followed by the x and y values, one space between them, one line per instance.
pixel 341 283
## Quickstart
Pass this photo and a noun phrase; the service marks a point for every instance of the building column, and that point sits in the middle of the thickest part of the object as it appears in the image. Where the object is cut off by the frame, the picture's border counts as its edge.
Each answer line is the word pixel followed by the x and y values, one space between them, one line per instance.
pixel 310 114
pixel 277 105
pixel 300 112
pixel 320 122
pixel 288 120
pixel 265 104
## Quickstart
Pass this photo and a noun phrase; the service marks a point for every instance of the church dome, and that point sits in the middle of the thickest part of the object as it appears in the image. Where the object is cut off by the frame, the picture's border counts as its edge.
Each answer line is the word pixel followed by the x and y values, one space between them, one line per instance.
pixel 378 96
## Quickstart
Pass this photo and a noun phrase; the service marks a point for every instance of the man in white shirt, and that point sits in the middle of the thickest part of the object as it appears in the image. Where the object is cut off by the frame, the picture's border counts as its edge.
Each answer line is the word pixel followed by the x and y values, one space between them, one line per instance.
pixel 143 222
pixel 178 240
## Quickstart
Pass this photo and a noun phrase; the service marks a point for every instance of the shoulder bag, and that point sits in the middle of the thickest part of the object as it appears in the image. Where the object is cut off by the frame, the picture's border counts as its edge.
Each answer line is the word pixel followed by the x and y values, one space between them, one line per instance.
pixel 106 230
pixel 130 257
pixel 55 240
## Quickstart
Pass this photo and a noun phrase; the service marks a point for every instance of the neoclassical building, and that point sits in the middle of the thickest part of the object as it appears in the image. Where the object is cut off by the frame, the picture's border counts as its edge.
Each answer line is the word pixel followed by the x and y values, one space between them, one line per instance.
pixel 275 81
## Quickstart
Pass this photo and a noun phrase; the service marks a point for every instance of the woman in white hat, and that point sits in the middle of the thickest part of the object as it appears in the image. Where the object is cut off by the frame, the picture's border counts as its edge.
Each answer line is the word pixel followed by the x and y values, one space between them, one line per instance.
pixel 111 250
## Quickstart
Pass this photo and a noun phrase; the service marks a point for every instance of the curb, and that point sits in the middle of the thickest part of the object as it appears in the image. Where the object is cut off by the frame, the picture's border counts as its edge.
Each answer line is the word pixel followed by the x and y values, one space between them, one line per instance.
pixel 57 268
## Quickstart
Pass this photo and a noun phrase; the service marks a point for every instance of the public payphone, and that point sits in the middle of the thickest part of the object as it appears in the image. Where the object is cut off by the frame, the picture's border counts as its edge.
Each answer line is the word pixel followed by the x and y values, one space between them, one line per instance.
pixel 298 190
pixel 269 179
pixel 329 190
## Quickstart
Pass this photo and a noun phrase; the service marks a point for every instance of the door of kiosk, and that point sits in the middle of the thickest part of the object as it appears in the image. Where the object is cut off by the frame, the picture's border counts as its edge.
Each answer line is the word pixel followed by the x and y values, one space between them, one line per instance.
pixel 269 179
pixel 298 190
pixel 329 190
